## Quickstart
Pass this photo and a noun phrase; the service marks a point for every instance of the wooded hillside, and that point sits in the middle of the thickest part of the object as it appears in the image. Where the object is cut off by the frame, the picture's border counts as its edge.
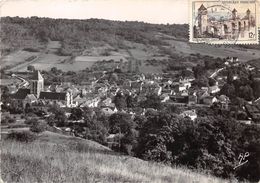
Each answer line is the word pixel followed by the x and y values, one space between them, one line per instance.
pixel 76 35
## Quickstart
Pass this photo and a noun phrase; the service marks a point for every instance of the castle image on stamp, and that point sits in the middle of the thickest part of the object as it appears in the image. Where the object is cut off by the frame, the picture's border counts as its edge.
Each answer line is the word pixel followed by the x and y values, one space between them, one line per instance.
pixel 224 22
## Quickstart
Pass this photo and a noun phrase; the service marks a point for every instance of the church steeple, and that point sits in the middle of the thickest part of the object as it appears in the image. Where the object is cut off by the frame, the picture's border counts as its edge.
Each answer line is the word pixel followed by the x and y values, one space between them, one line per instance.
pixel 36 83
pixel 234 13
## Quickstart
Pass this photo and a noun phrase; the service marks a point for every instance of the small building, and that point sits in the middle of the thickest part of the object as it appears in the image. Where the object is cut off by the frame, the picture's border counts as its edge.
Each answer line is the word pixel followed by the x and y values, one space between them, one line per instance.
pixel 108 111
pixel 179 99
pixel 29 99
pixel 20 95
pixel 190 114
pixel 182 87
pixel 193 99
pixel 209 100
pixel 107 103
pixel 224 102
pixel 213 89
pixel 165 97
pixel 91 102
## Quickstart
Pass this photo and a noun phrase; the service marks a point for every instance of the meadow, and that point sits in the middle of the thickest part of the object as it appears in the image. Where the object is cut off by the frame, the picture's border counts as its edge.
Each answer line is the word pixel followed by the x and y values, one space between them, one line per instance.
pixel 58 158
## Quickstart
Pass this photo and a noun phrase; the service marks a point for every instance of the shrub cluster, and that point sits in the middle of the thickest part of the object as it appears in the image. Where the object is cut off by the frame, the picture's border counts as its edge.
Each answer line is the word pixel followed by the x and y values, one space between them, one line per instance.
pixel 25 136
pixel 38 127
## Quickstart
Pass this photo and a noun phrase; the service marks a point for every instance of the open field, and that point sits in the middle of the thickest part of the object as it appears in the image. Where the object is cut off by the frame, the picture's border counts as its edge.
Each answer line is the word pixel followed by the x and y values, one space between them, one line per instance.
pixel 58 158
pixel 16 58
pixel 255 63
pixel 186 48
pixel 9 81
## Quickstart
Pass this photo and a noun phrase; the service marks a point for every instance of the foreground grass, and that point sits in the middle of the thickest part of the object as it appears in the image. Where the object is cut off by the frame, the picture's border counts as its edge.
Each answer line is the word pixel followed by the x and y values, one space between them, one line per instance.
pixel 57 158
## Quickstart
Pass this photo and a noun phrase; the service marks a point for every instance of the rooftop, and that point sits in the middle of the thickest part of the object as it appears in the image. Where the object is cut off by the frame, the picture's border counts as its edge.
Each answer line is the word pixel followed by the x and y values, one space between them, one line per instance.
pixel 53 96
pixel 21 94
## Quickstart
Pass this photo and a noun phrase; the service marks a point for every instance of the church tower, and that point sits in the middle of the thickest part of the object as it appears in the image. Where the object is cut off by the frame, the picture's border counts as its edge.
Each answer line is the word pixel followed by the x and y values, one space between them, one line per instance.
pixel 248 13
pixel 36 84
pixel 202 19
pixel 234 14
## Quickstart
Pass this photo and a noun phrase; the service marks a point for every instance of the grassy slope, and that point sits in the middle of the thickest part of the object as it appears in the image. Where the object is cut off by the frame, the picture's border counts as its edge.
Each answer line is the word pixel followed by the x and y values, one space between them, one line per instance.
pixel 57 158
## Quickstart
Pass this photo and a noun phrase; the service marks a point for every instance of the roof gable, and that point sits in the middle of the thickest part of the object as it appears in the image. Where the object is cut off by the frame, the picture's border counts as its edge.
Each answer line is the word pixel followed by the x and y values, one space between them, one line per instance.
pixel 21 94
pixel 52 96
pixel 202 7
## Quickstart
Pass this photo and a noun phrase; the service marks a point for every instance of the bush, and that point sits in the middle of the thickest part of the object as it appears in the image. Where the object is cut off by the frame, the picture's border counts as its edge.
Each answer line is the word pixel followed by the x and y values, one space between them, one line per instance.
pixel 30 121
pixel 30 49
pixel 38 127
pixel 7 120
pixel 25 136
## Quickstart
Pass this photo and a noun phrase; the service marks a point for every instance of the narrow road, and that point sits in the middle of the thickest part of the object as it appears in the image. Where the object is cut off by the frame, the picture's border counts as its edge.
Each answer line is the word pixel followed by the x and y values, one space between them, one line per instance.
pixel 216 72
pixel 24 81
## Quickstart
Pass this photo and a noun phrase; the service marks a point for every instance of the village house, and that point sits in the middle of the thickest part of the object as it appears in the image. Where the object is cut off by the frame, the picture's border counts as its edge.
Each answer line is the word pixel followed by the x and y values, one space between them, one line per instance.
pixel 179 99
pixel 193 99
pixel 20 95
pixel 209 100
pixel 213 89
pixel 253 112
pixel 232 61
pixel 190 114
pixel 29 99
pixel 12 89
pixel 182 87
pixel 186 80
pixel 108 102
pixel 224 102
pixel 91 102
pixel 202 94
pixel 113 90
pixel 108 111
pixel 164 97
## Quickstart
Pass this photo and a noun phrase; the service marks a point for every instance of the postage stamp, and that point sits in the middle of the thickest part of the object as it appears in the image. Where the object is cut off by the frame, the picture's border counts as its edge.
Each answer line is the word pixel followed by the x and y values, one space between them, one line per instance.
pixel 224 21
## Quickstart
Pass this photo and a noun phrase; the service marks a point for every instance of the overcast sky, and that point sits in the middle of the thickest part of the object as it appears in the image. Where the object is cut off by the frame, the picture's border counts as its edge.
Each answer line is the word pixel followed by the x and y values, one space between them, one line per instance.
pixel 152 11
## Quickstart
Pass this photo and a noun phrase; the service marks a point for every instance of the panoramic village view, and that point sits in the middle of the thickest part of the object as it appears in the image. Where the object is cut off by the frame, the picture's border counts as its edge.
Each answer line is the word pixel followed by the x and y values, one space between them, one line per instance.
pixel 125 101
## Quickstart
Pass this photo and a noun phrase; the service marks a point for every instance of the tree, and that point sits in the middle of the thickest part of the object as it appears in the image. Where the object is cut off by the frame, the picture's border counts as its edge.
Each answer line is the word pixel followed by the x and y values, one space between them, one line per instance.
pixel 120 101
pixel 31 68
pixel 113 78
pixel 58 117
pixel 120 123
pixel 129 142
pixel 76 114
pixel 95 129
pixel 246 92
pixel 139 120
pixel 7 120
pixel 28 108
pixel 38 127
pixel 202 81
pixel 228 90
pixel 130 101
pixel 198 71
pixel 212 82
pixel 256 87
pixel 152 101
